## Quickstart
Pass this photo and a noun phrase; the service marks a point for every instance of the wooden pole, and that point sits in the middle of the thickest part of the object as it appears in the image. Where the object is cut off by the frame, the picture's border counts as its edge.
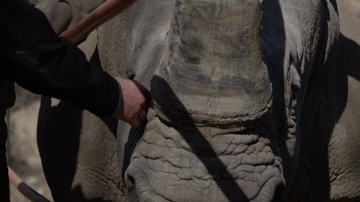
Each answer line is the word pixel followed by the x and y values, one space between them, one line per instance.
pixel 27 191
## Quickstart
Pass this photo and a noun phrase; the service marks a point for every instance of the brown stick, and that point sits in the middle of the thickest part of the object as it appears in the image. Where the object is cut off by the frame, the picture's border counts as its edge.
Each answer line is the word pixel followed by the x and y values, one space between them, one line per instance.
pixel 96 18
pixel 27 191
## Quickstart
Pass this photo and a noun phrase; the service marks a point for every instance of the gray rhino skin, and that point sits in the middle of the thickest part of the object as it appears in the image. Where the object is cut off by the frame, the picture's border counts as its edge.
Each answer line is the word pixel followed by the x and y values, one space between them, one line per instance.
pixel 251 101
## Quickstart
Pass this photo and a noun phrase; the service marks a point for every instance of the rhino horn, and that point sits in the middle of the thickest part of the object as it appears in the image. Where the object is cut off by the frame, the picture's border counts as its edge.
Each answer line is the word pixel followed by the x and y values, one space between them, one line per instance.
pixel 213 63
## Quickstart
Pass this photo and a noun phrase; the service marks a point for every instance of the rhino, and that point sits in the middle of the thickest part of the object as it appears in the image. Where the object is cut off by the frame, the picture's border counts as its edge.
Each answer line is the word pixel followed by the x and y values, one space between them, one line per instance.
pixel 251 101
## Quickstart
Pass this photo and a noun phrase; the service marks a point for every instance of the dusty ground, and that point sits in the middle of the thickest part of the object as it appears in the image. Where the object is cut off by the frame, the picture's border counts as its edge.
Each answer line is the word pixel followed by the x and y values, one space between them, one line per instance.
pixel 23 155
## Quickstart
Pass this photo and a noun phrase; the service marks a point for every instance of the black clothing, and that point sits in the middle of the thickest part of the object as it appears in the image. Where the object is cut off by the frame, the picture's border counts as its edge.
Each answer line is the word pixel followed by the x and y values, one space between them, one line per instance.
pixel 43 63
pixel 35 58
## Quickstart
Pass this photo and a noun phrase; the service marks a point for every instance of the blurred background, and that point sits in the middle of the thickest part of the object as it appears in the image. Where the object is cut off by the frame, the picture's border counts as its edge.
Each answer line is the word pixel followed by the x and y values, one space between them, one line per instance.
pixel 23 155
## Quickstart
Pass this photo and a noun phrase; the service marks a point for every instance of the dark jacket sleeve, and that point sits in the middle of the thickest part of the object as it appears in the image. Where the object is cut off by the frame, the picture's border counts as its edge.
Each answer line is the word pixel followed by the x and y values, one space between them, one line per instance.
pixel 45 64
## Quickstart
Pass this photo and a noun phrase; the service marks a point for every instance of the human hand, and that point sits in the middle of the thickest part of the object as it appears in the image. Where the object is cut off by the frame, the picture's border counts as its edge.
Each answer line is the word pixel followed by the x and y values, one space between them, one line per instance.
pixel 135 102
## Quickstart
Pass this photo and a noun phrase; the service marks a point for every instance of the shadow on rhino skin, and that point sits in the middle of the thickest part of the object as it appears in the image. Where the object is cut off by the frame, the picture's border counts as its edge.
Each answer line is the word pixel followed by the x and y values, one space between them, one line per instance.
pixel 215 166
pixel 325 107
pixel 59 149
pixel 60 137
pixel 63 140
pixel 230 188
pixel 350 56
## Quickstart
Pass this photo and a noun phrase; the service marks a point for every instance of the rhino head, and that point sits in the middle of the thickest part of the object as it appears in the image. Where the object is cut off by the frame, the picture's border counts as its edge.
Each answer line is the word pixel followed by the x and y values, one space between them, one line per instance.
pixel 228 81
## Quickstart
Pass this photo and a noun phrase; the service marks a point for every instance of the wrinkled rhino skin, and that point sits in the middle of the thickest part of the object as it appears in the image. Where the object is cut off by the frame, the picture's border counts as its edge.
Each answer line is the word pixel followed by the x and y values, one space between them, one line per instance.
pixel 252 101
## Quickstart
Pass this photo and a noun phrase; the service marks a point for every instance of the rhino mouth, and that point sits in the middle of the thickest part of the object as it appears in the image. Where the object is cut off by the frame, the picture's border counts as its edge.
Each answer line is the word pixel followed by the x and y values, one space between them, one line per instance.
pixel 205 163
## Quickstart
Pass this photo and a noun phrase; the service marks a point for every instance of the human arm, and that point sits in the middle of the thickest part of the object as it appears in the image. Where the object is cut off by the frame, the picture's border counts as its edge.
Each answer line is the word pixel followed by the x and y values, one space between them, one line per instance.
pixel 45 64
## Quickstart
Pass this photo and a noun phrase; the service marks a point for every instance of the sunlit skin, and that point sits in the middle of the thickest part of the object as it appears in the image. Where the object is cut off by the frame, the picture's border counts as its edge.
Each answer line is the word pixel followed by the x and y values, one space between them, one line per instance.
pixel 96 18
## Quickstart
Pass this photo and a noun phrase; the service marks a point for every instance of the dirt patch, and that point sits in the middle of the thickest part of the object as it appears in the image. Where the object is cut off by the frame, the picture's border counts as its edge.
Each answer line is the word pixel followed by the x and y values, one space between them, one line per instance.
pixel 23 155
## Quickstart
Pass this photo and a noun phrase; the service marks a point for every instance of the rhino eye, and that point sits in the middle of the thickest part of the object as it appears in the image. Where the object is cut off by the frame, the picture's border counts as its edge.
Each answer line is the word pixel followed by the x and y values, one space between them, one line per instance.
pixel 131 179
